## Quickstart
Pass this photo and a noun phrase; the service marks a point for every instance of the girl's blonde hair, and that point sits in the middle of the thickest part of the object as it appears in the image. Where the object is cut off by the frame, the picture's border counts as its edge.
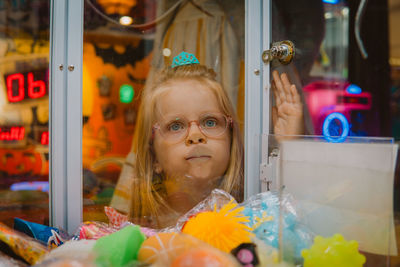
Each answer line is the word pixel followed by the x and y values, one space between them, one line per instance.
pixel 146 200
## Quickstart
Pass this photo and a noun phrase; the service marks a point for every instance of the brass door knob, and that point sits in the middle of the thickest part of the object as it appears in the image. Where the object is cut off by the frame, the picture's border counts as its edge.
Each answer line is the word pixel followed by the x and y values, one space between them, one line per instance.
pixel 282 51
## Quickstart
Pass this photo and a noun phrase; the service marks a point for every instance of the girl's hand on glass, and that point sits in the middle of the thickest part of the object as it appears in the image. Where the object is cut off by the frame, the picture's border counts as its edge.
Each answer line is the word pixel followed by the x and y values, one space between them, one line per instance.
pixel 287 115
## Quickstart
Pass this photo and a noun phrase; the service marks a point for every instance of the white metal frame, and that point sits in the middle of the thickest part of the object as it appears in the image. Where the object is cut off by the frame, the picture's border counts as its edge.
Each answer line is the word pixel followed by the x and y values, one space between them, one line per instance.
pixel 66 42
pixel 257 91
pixel 66 39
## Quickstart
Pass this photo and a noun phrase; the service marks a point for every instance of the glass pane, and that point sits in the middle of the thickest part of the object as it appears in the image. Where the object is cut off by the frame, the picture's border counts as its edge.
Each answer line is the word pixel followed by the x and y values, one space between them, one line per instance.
pixel 336 186
pixel 24 111
pixel 347 79
pixel 125 48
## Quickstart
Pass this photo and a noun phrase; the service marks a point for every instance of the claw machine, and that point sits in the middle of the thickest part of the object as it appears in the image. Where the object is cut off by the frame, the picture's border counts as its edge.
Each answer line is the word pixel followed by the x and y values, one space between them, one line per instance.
pixel 75 78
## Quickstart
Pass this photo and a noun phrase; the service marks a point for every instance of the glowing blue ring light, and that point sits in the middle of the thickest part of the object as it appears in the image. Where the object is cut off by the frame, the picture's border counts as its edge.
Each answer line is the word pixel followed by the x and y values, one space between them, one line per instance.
pixel 333 2
pixel 353 89
pixel 345 127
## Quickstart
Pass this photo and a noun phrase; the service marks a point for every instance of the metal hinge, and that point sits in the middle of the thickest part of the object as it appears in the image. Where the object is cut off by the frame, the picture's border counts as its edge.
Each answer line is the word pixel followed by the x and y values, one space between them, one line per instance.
pixel 269 172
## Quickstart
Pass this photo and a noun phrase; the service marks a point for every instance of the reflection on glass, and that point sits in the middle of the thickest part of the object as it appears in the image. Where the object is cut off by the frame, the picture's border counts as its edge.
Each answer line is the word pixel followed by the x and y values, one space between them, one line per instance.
pixel 24 111
pixel 346 95
pixel 124 50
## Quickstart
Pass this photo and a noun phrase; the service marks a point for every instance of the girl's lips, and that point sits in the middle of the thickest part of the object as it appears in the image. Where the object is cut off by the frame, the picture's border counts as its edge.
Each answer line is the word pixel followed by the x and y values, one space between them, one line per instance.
pixel 198 157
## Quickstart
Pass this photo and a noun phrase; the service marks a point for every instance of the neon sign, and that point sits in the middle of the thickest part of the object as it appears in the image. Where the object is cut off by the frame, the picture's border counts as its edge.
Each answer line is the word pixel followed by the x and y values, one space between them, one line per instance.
pixel 28 85
pixel 333 132
pixel 14 133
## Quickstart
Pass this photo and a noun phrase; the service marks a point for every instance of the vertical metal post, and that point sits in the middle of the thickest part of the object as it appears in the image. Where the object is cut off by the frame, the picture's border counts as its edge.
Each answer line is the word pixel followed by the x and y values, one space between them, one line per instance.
pixel 57 115
pixel 257 99
pixel 266 41
pixel 74 113
pixel 66 42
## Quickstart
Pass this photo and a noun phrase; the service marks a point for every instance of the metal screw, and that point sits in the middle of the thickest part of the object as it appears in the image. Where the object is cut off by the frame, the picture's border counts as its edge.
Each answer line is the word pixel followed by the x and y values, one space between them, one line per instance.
pixel 61 66
pixel 71 67
pixel 257 72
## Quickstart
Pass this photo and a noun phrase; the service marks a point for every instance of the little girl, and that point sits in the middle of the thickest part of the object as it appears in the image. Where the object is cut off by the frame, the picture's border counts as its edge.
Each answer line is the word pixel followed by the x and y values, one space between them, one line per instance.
pixel 189 141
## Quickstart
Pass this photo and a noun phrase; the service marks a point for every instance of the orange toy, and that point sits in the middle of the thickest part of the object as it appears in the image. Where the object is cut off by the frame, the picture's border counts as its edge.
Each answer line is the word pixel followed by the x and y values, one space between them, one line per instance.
pixel 204 257
pixel 165 246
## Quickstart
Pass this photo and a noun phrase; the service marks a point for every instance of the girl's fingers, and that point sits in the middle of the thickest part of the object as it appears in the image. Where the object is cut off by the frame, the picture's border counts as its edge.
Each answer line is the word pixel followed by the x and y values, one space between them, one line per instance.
pixel 278 100
pixel 286 82
pixel 279 86
pixel 295 95
pixel 274 115
pixel 286 87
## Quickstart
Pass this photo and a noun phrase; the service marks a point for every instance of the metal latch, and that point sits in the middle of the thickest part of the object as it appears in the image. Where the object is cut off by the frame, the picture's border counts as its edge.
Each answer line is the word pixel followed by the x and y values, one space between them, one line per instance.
pixel 283 51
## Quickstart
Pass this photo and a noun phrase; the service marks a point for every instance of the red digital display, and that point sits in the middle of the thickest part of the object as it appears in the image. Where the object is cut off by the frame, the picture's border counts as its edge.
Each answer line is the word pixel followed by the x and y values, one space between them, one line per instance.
pixel 14 133
pixel 17 133
pixel 28 85
pixel 44 138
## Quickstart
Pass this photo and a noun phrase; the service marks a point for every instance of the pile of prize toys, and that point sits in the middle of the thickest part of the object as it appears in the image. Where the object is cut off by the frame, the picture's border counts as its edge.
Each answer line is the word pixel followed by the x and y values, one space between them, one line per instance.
pixel 265 230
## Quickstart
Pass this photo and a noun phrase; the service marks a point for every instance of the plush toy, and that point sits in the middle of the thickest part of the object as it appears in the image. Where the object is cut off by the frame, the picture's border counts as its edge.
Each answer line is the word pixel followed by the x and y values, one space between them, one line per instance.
pixel 119 248
pixel 223 229
pixel 332 252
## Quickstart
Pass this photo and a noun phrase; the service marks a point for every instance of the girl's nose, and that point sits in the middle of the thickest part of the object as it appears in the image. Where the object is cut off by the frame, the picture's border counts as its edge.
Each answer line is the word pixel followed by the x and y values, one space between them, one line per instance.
pixel 195 136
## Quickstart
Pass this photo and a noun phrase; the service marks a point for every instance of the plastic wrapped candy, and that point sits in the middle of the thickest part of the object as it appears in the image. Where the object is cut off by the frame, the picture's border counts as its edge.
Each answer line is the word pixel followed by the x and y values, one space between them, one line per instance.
pixel 119 220
pixel 119 248
pixel 22 245
pixel 115 218
pixel 6 261
pixel 78 252
pixel 93 230
pixel 49 236
pixel 70 263
pixel 332 252
pixel 264 211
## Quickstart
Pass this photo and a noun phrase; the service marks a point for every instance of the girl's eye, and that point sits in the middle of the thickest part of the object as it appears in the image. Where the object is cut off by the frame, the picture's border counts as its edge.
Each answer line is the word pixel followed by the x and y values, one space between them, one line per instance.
pixel 210 123
pixel 175 126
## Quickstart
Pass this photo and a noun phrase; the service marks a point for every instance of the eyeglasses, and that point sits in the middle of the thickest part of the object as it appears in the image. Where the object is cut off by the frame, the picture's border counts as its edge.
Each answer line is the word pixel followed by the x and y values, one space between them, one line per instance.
pixel 176 128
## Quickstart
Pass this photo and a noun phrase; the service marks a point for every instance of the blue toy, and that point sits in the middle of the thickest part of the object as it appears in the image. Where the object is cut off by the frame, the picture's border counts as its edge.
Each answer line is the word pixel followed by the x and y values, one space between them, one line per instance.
pixel 268 213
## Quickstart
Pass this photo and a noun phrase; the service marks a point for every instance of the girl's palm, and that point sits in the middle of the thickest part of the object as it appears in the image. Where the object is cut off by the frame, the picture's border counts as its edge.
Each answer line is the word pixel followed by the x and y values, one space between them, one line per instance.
pixel 287 115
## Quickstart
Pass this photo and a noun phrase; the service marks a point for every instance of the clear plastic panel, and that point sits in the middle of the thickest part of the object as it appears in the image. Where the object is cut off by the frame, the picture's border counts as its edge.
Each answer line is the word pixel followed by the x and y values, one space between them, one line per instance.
pixel 24 111
pixel 125 46
pixel 338 186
